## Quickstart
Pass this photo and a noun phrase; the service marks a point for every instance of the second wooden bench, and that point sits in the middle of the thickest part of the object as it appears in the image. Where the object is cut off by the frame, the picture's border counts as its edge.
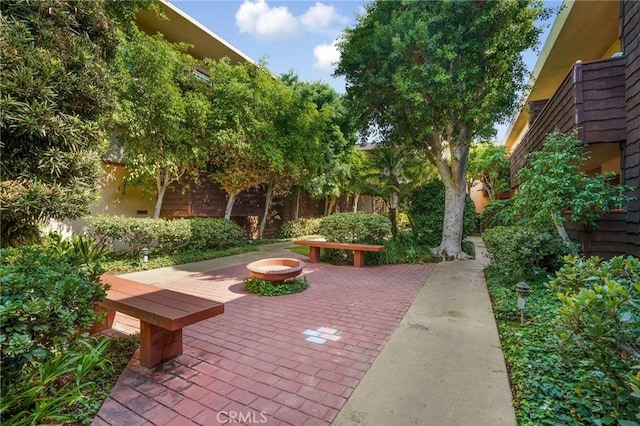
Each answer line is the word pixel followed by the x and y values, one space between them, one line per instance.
pixel 162 314
pixel 358 249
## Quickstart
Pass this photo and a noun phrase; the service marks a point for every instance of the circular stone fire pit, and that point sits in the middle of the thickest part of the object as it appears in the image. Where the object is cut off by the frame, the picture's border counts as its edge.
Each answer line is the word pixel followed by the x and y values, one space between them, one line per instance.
pixel 276 269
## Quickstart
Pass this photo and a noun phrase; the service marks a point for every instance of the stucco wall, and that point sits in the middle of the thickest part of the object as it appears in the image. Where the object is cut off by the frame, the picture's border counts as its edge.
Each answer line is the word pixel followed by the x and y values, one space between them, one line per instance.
pixel 116 200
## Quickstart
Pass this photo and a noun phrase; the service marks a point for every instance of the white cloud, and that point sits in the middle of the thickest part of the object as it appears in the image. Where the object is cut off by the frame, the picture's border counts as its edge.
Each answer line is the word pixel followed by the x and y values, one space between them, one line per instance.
pixel 321 16
pixel 259 19
pixel 327 56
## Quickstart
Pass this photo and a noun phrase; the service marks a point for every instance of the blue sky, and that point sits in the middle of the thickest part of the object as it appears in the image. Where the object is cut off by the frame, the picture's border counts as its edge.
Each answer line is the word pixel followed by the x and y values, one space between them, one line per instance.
pixel 294 35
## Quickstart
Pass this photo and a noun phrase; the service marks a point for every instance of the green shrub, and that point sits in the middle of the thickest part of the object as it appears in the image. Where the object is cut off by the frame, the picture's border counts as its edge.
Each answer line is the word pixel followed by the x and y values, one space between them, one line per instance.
pixel 356 228
pixel 523 254
pixel 497 213
pixel 600 313
pixel 135 233
pixel 47 300
pixel 208 233
pixel 268 288
pixel 300 228
pixel 403 248
pixel 117 231
pixel 360 228
pixel 426 213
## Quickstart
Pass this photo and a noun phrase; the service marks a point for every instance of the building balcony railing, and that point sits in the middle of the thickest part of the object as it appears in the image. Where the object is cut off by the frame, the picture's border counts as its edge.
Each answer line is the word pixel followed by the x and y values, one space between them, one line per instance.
pixel 591 99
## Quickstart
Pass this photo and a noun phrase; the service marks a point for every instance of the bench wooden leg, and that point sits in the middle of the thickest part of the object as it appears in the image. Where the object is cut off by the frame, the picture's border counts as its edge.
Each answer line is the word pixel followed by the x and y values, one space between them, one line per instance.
pixel 314 254
pixel 358 259
pixel 108 320
pixel 158 344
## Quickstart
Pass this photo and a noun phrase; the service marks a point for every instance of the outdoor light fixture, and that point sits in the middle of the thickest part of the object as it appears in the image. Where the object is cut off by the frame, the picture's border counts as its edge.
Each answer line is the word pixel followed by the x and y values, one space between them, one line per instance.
pixel 145 254
pixel 523 290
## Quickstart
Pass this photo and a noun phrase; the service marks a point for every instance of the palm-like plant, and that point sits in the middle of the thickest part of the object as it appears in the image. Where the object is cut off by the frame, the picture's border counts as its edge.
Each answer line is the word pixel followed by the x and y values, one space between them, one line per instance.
pixel 394 174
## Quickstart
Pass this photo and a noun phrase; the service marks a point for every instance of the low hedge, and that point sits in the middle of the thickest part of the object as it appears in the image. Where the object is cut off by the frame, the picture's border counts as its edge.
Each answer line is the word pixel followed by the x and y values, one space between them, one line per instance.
pixel 356 228
pixel 118 232
pixel 300 228
pixel 360 228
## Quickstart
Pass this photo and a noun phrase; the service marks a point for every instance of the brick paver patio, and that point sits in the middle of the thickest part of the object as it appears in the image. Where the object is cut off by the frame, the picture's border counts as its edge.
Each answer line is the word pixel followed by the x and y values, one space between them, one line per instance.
pixel 258 363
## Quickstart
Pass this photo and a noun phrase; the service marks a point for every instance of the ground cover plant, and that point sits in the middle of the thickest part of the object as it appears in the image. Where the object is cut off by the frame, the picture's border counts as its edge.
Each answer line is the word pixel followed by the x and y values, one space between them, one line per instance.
pixel 270 288
pixel 46 306
pixel 574 361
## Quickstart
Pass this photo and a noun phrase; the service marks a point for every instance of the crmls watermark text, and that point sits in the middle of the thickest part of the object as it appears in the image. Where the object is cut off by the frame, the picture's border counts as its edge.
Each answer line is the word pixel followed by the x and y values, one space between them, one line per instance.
pixel 250 417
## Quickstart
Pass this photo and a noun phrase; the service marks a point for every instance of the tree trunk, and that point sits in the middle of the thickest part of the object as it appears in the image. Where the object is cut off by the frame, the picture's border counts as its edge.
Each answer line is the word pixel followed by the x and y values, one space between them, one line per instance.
pixel 453 178
pixel 230 202
pixel 162 183
pixel 331 202
pixel 267 205
pixel 393 209
pixel 296 207
pixel 394 222
pixel 356 198
pixel 562 231
pixel 451 244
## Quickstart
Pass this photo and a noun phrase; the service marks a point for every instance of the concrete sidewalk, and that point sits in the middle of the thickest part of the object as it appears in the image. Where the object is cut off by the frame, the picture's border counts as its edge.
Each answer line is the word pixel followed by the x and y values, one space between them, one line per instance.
pixel 443 365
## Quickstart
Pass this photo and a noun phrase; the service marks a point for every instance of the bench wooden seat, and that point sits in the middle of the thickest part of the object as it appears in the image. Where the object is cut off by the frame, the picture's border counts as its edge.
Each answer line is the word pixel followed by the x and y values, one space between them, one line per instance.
pixel 162 314
pixel 358 249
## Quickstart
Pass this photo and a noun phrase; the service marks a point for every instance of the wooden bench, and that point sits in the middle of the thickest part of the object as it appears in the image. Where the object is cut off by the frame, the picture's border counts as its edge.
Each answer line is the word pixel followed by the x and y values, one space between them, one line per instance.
pixel 358 249
pixel 162 314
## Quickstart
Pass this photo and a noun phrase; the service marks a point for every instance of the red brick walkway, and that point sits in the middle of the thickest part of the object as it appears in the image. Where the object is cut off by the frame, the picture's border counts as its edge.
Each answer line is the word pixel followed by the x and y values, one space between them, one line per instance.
pixel 253 364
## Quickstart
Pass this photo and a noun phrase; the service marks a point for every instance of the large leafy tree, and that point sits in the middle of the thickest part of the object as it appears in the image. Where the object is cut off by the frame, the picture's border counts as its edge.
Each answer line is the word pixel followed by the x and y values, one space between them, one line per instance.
pixel 161 113
pixel 489 165
pixel 436 75
pixel 247 102
pixel 360 170
pixel 290 150
pixel 55 94
pixel 330 167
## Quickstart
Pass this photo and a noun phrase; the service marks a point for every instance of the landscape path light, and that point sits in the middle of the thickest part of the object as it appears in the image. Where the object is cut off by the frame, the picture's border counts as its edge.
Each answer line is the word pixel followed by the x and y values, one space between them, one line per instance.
pixel 523 290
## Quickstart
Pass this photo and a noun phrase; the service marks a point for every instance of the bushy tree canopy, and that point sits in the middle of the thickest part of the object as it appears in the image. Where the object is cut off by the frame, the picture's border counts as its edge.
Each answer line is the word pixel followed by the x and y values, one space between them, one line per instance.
pixel 437 75
pixel 55 95
pixel 162 111
pixel 489 165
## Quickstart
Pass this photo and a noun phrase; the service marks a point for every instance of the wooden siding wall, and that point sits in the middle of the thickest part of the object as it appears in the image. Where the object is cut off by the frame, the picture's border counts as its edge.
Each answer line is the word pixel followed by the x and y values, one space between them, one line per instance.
pixel 591 98
pixel 607 240
pixel 535 107
pixel 631 152
pixel 206 199
pixel 601 111
pixel 558 113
